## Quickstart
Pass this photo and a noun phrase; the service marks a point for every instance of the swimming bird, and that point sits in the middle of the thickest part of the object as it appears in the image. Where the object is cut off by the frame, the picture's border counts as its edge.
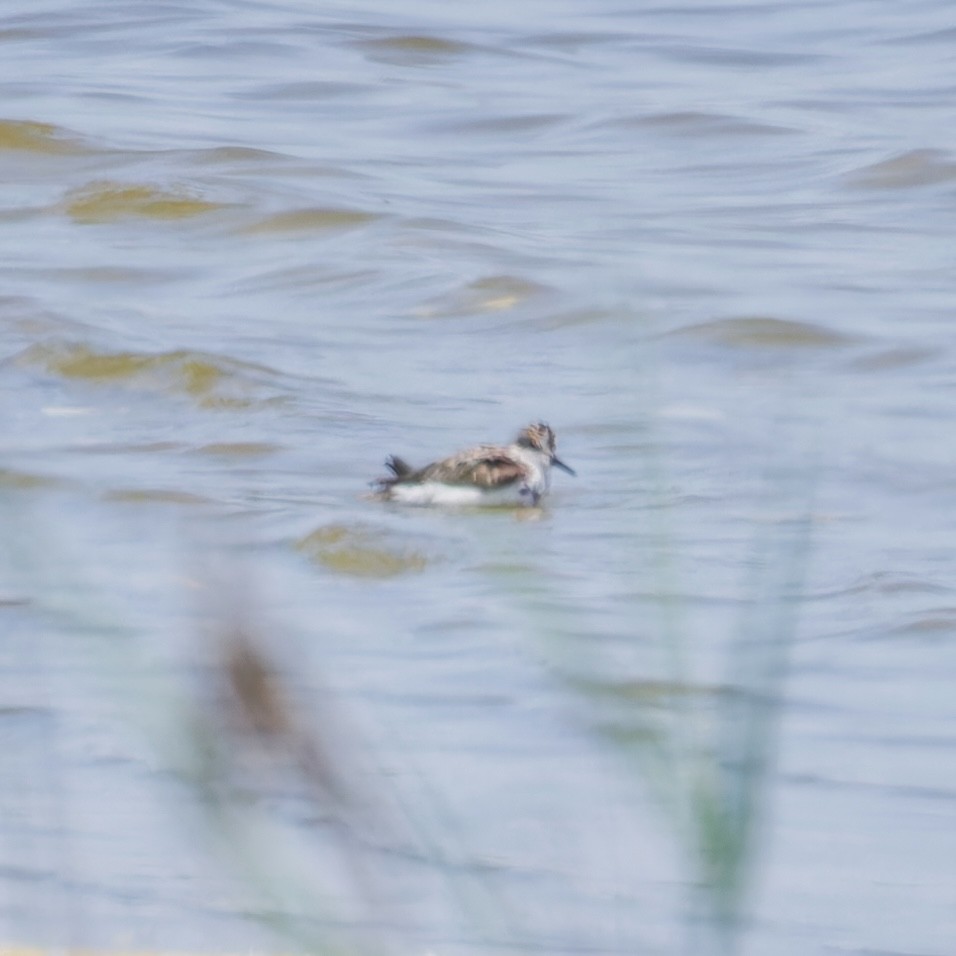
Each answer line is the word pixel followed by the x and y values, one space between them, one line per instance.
pixel 519 473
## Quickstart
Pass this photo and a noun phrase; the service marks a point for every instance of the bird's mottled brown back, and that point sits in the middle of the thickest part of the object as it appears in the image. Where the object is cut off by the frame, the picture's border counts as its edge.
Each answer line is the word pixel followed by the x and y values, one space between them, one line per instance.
pixel 487 466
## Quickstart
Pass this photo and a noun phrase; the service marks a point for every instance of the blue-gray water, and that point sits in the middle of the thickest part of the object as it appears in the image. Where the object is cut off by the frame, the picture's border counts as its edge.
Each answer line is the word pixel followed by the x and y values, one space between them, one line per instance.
pixel 249 249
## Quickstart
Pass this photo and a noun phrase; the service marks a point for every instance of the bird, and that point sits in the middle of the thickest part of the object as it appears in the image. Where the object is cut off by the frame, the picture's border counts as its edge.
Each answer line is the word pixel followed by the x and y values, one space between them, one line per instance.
pixel 515 474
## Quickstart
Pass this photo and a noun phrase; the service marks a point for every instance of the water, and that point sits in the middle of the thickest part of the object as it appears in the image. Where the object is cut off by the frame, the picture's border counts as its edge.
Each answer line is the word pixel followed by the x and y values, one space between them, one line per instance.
pixel 248 250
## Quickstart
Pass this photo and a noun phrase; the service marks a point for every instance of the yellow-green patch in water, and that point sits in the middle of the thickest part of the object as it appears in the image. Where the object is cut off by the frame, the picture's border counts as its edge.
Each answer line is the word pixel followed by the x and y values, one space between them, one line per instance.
pixel 23 481
pixel 497 293
pixel 28 136
pixel 412 49
pixel 360 552
pixel 211 381
pixel 310 220
pixel 151 496
pixel 760 331
pixel 109 201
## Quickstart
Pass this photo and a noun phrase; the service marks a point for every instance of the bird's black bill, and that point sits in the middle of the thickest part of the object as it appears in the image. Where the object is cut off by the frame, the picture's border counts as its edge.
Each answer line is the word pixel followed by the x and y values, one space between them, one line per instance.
pixel 560 464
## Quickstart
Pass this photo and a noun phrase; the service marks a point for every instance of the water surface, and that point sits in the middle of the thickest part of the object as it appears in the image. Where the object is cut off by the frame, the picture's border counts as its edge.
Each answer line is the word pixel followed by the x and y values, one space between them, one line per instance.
pixel 247 251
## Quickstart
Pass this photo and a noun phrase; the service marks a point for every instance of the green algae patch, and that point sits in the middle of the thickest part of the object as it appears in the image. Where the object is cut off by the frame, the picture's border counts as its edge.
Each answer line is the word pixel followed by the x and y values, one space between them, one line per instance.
pixel 11 480
pixel 154 496
pixel 418 43
pixel 209 380
pixel 109 201
pixel 360 552
pixel 764 332
pixel 310 220
pixel 28 136
pixel 413 49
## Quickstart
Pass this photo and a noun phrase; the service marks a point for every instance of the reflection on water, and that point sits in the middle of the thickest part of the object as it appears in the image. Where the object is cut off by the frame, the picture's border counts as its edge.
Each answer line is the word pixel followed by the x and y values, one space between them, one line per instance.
pixel 248 252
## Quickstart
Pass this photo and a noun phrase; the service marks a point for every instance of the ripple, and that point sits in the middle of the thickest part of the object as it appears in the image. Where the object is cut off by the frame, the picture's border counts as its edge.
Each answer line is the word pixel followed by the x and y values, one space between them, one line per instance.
pixel 689 123
pixel 129 448
pixel 211 381
pixel 413 49
pixel 934 623
pixel 883 583
pixel 306 90
pixel 315 220
pixel 893 358
pixel 11 480
pixel 27 316
pixel 910 170
pixel 576 317
pixel 109 201
pixel 496 293
pixel 152 496
pixel 305 279
pixel 236 154
pixel 238 449
pixel 763 332
pixel 738 56
pixel 112 274
pixel 530 122
pixel 947 36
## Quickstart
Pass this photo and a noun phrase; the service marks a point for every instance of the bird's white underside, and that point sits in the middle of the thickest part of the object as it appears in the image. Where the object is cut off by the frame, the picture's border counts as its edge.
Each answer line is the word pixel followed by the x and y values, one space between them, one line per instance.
pixel 435 493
